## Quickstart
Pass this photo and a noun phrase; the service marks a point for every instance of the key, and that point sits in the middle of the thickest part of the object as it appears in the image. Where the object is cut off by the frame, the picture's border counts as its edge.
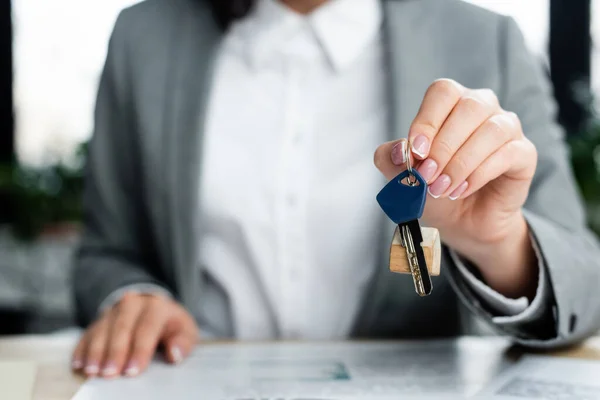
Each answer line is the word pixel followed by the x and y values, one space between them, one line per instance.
pixel 403 201
pixel 412 239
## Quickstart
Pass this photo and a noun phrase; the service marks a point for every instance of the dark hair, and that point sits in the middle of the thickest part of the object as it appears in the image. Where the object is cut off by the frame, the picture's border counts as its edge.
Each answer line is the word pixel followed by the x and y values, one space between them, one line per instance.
pixel 227 11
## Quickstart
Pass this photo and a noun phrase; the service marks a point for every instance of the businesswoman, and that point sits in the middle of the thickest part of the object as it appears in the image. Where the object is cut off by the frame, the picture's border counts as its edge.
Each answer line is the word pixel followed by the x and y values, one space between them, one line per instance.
pixel 231 187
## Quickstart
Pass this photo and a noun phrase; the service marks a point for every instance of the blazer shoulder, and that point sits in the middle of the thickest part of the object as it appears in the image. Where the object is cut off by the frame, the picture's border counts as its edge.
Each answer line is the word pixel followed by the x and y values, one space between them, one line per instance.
pixel 462 11
pixel 154 17
pixel 467 21
pixel 157 8
pixel 467 28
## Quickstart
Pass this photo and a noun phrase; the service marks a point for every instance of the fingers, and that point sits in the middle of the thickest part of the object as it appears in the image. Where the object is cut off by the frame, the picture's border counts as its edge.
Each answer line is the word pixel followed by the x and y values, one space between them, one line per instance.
pixel 180 336
pixel 147 334
pixel 78 358
pixel 438 102
pixel 454 132
pixel 126 315
pixel 486 140
pixel 471 111
pixel 389 158
pixel 180 344
pixel 510 165
pixel 95 345
pixel 125 338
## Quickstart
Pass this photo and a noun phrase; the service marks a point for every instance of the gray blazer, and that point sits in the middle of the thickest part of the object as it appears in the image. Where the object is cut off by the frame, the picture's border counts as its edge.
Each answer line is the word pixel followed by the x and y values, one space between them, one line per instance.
pixel 142 189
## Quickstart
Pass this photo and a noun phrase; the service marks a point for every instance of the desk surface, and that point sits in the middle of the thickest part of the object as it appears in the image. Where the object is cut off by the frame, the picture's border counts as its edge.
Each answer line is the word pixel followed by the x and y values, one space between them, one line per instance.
pixel 55 381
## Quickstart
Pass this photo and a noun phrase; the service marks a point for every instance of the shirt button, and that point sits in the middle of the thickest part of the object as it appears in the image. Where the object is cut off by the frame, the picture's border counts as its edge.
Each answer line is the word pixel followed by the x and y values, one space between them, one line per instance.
pixel 291 200
pixel 297 138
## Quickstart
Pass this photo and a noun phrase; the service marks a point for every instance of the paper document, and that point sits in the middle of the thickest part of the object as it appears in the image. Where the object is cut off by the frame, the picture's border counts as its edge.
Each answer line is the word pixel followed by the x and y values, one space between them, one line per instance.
pixel 334 371
pixel 548 378
pixel 17 379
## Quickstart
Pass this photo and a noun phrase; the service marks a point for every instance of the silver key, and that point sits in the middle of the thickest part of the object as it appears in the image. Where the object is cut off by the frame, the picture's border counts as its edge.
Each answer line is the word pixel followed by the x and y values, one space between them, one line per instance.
pixel 411 236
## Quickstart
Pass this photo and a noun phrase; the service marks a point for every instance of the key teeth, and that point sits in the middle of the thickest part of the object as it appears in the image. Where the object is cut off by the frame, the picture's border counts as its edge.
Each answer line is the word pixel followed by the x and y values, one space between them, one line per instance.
pixel 416 258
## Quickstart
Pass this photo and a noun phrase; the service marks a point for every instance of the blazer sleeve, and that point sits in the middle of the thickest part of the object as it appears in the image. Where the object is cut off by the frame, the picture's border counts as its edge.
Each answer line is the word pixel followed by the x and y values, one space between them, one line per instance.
pixel 115 249
pixel 554 210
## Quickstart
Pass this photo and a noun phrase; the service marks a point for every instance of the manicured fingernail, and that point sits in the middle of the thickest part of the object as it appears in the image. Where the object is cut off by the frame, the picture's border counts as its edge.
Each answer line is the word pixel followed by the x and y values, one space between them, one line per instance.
pixel 459 191
pixel 76 364
pixel 176 354
pixel 110 369
pixel 427 169
pixel 399 153
pixel 420 146
pixel 439 187
pixel 91 369
pixel 132 369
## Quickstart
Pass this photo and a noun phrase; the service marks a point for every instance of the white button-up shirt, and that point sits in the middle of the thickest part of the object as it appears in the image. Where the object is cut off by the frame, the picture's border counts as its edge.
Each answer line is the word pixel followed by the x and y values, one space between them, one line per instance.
pixel 295 116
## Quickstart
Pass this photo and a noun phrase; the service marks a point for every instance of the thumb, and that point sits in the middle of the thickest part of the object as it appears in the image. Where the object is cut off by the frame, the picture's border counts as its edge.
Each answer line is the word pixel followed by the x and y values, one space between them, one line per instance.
pixel 179 339
pixel 390 158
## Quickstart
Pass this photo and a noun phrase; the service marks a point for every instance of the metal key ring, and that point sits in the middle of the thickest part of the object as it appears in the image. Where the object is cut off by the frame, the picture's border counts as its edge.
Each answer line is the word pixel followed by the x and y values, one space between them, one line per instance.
pixel 413 181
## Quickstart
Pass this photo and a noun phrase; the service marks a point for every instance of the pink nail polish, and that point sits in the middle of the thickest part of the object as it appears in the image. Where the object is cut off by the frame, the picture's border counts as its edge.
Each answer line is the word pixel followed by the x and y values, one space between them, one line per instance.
pixel 427 169
pixel 132 369
pixel 91 369
pixel 420 146
pixel 176 354
pixel 110 369
pixel 459 191
pixel 439 187
pixel 76 364
pixel 399 152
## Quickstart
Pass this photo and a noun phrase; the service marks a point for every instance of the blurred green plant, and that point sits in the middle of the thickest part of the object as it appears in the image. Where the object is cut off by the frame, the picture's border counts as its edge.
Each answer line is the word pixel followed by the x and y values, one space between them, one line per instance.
pixel 585 158
pixel 42 197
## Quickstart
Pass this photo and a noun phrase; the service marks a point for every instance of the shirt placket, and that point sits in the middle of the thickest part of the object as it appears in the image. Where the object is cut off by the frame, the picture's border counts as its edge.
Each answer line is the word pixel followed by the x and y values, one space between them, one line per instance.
pixel 292 204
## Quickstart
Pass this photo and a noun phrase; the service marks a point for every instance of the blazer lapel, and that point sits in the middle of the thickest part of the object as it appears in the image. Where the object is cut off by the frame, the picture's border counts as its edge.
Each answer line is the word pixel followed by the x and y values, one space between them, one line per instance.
pixel 194 43
pixel 412 65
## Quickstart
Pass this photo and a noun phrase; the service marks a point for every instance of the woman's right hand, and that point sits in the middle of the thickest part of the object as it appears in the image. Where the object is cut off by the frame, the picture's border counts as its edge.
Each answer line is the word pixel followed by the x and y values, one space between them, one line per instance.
pixel 125 337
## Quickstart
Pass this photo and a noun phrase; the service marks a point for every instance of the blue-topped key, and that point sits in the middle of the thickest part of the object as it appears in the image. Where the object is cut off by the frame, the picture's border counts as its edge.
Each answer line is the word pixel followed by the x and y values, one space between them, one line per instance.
pixel 403 201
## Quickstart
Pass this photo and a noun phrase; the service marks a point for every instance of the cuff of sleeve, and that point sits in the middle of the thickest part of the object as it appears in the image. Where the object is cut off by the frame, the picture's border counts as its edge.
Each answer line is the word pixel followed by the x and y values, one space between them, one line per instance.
pixel 141 288
pixel 506 310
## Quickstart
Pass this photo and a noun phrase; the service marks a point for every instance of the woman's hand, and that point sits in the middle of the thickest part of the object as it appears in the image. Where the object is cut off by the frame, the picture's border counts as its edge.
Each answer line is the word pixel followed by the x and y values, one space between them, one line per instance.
pixel 479 166
pixel 125 338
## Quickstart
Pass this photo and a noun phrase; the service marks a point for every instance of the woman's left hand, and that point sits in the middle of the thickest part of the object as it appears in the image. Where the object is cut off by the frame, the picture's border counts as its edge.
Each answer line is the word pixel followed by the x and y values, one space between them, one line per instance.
pixel 479 166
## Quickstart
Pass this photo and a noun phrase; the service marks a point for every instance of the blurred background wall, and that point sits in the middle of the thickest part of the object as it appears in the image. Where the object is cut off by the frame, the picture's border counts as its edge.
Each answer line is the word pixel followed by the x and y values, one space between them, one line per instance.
pixel 52 53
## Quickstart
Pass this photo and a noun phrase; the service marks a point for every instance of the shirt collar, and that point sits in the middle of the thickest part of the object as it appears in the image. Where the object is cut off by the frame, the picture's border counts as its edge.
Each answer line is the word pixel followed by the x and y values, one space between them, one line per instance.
pixel 341 28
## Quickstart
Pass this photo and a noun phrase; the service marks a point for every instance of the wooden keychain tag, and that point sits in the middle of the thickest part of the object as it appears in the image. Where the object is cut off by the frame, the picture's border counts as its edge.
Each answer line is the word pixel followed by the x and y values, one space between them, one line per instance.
pixel 431 248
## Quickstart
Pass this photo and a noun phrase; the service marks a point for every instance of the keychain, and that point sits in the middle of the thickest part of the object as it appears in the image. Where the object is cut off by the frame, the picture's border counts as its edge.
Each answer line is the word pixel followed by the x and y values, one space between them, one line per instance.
pixel 414 250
